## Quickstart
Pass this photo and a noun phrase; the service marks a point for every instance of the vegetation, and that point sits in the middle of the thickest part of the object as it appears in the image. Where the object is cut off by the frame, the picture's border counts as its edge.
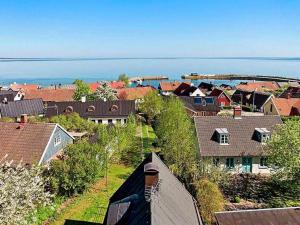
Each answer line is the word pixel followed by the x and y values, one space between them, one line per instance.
pixel 7 119
pixel 123 77
pixel 82 90
pixel 210 199
pixel 152 105
pixel 105 92
pixel 22 191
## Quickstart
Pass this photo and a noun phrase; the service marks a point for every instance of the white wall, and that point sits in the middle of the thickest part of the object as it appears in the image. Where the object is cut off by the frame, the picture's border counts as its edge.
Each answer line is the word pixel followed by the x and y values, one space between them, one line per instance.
pixel 105 120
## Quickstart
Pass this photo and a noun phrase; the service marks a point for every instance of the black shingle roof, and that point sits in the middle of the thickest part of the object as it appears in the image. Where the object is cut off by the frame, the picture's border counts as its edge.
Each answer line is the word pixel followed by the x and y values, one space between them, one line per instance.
pixel 241 134
pixel 8 95
pixel 170 204
pixel 101 108
pixel 31 107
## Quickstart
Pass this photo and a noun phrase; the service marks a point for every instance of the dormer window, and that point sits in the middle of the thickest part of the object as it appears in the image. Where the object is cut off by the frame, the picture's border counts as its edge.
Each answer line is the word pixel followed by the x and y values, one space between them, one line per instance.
pixel 223 136
pixel 263 135
pixel 69 109
pixel 114 108
pixel 91 108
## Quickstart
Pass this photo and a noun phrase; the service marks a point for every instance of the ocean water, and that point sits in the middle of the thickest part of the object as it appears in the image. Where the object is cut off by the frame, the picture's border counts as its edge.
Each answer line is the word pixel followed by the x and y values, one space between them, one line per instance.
pixel 53 71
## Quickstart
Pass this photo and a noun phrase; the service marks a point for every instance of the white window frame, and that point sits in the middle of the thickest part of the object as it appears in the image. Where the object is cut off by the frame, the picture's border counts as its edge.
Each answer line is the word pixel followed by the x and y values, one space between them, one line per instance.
pixel 224 139
pixel 57 139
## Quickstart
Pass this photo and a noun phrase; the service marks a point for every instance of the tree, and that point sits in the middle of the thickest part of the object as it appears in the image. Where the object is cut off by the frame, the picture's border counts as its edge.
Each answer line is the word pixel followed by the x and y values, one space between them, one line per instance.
pixel 284 150
pixel 177 138
pixel 123 77
pixel 22 190
pixel 105 92
pixel 210 199
pixel 82 90
pixel 152 105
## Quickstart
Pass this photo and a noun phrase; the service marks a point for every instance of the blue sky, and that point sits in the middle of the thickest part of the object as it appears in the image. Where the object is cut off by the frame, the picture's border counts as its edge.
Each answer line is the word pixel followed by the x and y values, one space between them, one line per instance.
pixel 149 28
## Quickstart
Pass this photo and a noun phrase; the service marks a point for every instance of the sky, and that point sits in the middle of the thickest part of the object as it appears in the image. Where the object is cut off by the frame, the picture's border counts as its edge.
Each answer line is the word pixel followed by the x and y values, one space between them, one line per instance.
pixel 149 28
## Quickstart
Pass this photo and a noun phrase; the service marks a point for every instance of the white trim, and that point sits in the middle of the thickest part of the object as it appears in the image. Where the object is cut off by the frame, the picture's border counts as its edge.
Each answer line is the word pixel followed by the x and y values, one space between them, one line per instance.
pixel 44 152
pixel 65 131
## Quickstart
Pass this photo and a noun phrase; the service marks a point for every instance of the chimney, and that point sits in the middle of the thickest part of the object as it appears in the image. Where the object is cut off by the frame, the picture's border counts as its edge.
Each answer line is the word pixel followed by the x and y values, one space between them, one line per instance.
pixel 24 118
pixel 289 95
pixel 83 99
pixel 151 173
pixel 237 112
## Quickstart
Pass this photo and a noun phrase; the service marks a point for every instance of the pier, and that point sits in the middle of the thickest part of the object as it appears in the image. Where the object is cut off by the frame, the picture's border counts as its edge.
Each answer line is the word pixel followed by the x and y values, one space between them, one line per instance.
pixel 145 78
pixel 239 77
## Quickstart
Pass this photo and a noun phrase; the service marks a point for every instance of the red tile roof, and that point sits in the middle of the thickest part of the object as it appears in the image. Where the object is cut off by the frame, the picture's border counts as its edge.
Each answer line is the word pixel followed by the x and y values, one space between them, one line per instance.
pixel 134 93
pixel 169 86
pixel 284 105
pixel 48 95
pixel 17 87
pixel 259 86
pixel 113 84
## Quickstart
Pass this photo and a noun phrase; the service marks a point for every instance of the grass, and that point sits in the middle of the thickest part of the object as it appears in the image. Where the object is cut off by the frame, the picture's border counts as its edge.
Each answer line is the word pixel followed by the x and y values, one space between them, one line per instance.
pixel 91 206
pixel 149 137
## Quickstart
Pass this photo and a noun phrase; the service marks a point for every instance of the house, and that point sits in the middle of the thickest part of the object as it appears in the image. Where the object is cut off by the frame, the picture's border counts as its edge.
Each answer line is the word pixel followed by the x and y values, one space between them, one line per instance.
pixel 50 95
pixel 167 88
pixel 200 106
pixel 10 96
pixel 288 83
pixel 282 106
pixel 112 84
pixel 32 143
pixel 235 143
pixel 226 87
pixel 135 93
pixel 271 216
pixel 106 112
pixel 152 195
pixel 221 97
pixel 186 89
pixel 264 86
pixel 291 92
pixel 30 107
pixel 23 87
pixel 182 87
pixel 206 87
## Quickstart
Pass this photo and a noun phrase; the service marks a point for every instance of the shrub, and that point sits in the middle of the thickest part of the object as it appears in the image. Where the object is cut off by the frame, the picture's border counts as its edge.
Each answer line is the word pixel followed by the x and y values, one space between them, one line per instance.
pixel 237 199
pixel 209 198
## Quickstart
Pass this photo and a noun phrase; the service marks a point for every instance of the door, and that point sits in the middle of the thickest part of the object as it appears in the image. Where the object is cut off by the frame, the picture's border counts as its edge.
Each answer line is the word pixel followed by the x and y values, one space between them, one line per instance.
pixel 247 164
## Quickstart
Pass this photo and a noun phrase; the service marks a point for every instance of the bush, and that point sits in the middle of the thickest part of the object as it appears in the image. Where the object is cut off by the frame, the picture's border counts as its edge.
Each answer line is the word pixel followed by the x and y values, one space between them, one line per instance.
pixel 237 199
pixel 210 199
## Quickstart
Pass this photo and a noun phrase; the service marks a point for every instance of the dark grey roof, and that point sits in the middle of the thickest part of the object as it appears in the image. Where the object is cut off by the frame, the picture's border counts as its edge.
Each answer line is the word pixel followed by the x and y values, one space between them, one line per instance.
pixel 8 95
pixel 242 139
pixel 279 216
pixel 260 98
pixel 31 107
pixel 170 204
pixel 101 108
pixel 293 92
pixel 189 103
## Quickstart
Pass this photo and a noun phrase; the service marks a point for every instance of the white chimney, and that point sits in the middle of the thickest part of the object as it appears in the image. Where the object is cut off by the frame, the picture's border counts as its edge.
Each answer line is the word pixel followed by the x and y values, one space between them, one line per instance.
pixel 83 99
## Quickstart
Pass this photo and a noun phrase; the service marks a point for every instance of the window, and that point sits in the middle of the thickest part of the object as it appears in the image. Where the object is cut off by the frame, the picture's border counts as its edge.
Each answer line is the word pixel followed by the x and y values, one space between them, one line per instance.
pixel 224 139
pixel 91 108
pixel 110 121
pixel 263 135
pixel 114 108
pixel 57 140
pixel 265 138
pixel 209 100
pixel 203 113
pixel 229 163
pixel 263 162
pixel 118 120
pixel 271 108
pixel 223 136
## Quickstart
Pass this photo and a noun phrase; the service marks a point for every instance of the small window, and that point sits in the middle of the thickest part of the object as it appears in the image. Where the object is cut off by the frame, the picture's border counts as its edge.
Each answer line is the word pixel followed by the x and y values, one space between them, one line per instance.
pixel 114 108
pixel 118 120
pixel 203 114
pixel 271 108
pixel 91 108
pixel 110 121
pixel 69 109
pixel 57 140
pixel 263 162
pixel 265 138
pixel 224 139
pixel 230 163
pixel 209 100
pixel 99 121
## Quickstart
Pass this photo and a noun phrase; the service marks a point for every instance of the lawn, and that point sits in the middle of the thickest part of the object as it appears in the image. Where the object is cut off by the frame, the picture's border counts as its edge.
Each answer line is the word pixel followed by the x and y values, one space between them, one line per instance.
pixel 149 137
pixel 91 206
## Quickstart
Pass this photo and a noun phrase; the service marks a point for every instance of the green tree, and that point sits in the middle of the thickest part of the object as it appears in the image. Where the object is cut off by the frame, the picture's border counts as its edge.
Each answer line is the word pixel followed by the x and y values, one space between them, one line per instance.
pixel 284 150
pixel 82 90
pixel 105 92
pixel 123 77
pixel 152 105
pixel 210 199
pixel 177 138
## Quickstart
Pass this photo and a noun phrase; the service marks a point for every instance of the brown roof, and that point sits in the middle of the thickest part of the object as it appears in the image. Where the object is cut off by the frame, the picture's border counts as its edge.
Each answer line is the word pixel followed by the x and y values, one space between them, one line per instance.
pixel 25 142
pixel 241 134
pixel 279 216
pixel 182 88
pixel 169 86
pixel 134 93
pixel 284 105
pixel 259 86
pixel 51 95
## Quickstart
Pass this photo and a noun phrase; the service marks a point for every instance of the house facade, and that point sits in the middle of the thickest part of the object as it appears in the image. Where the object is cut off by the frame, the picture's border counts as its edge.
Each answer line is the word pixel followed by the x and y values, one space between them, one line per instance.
pixel 282 107
pixel 221 97
pixel 236 143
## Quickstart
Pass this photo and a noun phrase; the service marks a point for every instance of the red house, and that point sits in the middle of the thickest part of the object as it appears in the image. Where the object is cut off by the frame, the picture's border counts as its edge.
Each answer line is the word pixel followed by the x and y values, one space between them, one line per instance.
pixel 221 96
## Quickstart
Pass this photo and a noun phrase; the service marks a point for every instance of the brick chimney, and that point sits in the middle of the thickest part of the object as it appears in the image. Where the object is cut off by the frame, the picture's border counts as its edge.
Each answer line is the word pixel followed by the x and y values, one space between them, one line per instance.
pixel 237 112
pixel 151 173
pixel 24 118
pixel 289 95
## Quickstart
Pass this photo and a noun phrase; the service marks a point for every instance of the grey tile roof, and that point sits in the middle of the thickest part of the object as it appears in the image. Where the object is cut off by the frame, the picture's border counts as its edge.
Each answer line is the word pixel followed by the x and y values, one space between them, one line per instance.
pixel 102 109
pixel 9 95
pixel 31 107
pixel 241 131
pixel 170 204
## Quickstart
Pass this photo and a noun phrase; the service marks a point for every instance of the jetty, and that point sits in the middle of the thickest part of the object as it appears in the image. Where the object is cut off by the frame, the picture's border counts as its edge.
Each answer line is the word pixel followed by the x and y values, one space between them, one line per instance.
pixel 194 76
pixel 145 78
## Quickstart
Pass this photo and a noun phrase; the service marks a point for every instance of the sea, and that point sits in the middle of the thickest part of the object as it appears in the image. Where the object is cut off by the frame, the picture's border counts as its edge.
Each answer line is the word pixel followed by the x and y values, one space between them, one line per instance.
pixel 51 71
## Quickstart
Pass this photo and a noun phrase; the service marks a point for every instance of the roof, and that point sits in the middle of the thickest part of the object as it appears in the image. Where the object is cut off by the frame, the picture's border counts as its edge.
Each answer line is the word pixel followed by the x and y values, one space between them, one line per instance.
pixel 241 140
pixel 31 107
pixel 207 86
pixel 259 86
pixel 25 142
pixel 293 92
pixel 260 98
pixel 189 103
pixel 284 105
pixel 18 87
pixel 55 95
pixel 9 95
pixel 170 203
pixel 182 88
pixel 134 93
pixel 168 86
pixel 97 108
pixel 277 216
pixel 112 84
